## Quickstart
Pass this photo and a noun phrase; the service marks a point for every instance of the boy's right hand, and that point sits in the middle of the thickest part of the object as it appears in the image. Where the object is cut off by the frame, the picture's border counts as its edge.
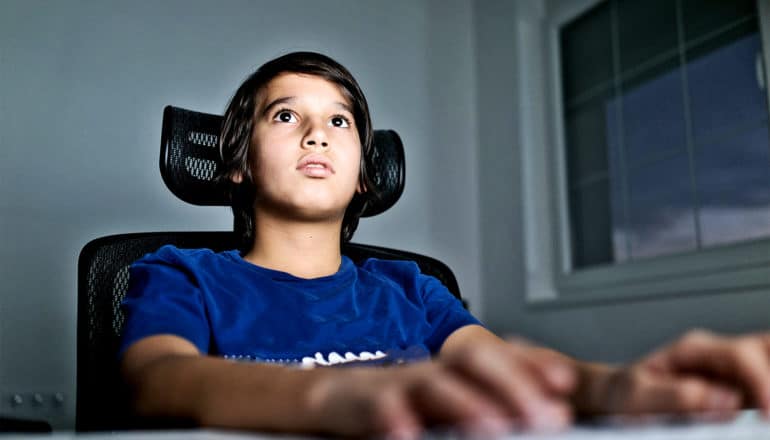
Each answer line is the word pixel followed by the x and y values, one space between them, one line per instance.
pixel 484 389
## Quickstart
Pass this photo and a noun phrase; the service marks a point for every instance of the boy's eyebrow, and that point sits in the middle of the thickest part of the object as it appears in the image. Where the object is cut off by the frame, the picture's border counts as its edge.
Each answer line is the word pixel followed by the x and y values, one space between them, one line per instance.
pixel 344 106
pixel 277 102
pixel 289 99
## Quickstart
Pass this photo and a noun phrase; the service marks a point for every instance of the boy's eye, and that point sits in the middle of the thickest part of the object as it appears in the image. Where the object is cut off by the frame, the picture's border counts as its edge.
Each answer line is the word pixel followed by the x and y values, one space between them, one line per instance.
pixel 285 116
pixel 339 121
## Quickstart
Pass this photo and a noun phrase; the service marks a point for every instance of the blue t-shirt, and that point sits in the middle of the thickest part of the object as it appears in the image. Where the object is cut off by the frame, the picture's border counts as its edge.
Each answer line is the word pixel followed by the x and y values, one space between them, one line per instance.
pixel 229 307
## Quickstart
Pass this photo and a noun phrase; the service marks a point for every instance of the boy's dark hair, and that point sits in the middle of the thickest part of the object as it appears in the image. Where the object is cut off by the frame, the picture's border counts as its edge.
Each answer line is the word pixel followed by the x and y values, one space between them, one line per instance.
pixel 238 124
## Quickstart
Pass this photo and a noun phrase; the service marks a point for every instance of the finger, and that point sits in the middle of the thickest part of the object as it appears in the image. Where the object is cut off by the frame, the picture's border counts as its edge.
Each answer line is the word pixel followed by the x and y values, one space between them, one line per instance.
pixel 555 371
pixel 668 394
pixel 765 339
pixel 363 403
pixel 505 375
pixel 744 361
pixel 444 398
pixel 394 416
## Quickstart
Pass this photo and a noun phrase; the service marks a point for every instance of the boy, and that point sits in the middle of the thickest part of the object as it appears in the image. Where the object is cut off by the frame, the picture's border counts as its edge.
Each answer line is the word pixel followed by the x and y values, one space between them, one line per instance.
pixel 295 145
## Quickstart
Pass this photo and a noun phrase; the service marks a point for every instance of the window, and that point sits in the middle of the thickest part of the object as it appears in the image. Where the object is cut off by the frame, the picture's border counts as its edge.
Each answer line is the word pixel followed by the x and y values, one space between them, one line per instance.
pixel 661 153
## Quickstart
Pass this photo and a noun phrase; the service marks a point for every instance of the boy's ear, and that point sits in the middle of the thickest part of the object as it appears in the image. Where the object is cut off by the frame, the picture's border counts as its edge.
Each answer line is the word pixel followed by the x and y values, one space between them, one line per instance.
pixel 236 178
pixel 360 188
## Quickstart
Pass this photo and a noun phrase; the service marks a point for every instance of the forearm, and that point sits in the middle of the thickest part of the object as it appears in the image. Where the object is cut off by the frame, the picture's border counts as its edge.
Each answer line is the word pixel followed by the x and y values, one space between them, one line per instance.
pixel 217 392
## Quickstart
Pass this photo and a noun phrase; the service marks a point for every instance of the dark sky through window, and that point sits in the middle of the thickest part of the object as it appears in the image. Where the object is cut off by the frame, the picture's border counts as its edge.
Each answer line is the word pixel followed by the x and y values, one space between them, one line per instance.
pixel 671 153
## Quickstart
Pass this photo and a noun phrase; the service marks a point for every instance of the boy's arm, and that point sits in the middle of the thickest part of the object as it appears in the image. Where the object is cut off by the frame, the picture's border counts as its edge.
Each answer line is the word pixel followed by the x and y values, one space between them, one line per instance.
pixel 700 372
pixel 170 378
pixel 477 381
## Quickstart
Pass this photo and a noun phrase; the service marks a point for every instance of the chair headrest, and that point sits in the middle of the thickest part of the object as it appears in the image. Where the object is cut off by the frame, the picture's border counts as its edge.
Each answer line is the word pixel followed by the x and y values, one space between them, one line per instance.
pixel 189 160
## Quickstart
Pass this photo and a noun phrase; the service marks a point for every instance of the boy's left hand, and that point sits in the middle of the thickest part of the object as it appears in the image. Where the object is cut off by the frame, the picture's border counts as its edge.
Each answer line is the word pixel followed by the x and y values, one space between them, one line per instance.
pixel 700 373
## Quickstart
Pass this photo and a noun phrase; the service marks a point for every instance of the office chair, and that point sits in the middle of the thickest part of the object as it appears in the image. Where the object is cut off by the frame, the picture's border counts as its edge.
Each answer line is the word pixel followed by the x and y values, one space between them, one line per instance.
pixel 189 159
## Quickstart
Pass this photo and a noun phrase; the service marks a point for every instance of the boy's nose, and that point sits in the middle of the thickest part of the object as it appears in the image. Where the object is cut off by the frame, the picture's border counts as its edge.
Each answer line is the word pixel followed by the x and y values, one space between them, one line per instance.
pixel 310 142
pixel 315 136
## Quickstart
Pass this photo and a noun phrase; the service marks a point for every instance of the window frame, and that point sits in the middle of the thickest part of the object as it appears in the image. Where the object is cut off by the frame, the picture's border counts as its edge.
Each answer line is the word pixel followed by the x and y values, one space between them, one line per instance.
pixel 550 279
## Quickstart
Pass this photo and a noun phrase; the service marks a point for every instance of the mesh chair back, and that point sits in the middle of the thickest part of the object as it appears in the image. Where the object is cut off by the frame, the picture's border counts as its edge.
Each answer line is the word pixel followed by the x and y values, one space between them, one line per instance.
pixel 102 401
pixel 189 156
pixel 189 160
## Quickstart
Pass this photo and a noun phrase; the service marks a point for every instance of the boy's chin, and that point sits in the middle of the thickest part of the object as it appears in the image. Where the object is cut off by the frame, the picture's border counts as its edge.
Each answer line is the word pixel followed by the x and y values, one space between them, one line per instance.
pixel 313 208
pixel 321 213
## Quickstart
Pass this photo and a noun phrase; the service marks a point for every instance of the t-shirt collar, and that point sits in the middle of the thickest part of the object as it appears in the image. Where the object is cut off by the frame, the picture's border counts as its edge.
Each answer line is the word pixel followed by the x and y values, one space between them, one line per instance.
pixel 347 269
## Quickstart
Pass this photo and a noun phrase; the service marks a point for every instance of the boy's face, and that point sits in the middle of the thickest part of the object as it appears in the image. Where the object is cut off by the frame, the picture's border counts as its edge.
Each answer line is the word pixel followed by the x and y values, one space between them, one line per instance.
pixel 306 148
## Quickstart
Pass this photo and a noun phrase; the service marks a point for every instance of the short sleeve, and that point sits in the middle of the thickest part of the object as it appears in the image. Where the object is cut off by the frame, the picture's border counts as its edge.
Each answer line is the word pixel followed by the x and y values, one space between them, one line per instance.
pixel 444 312
pixel 164 298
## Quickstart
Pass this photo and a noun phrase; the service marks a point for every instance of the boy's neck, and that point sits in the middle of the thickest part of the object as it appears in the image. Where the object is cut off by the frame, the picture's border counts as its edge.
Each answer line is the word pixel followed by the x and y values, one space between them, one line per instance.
pixel 305 250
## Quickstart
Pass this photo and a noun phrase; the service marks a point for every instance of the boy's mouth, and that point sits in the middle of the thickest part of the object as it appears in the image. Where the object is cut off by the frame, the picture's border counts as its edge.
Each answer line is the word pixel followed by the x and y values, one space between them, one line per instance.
pixel 315 165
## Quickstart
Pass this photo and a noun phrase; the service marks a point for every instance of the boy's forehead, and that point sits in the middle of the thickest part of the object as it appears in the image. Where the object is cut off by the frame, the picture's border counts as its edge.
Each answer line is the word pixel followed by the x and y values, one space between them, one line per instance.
pixel 297 86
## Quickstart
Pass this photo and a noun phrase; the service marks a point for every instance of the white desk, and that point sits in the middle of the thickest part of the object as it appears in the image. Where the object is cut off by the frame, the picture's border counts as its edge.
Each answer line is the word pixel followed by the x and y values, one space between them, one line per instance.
pixel 747 426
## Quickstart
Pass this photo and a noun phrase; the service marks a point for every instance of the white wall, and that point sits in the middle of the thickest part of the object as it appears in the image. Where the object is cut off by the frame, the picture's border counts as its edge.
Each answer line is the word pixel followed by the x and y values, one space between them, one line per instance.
pixel 82 89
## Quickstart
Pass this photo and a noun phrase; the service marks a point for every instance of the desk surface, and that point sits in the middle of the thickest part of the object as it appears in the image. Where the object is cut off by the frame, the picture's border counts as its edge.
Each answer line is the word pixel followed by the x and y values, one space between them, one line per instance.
pixel 747 426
